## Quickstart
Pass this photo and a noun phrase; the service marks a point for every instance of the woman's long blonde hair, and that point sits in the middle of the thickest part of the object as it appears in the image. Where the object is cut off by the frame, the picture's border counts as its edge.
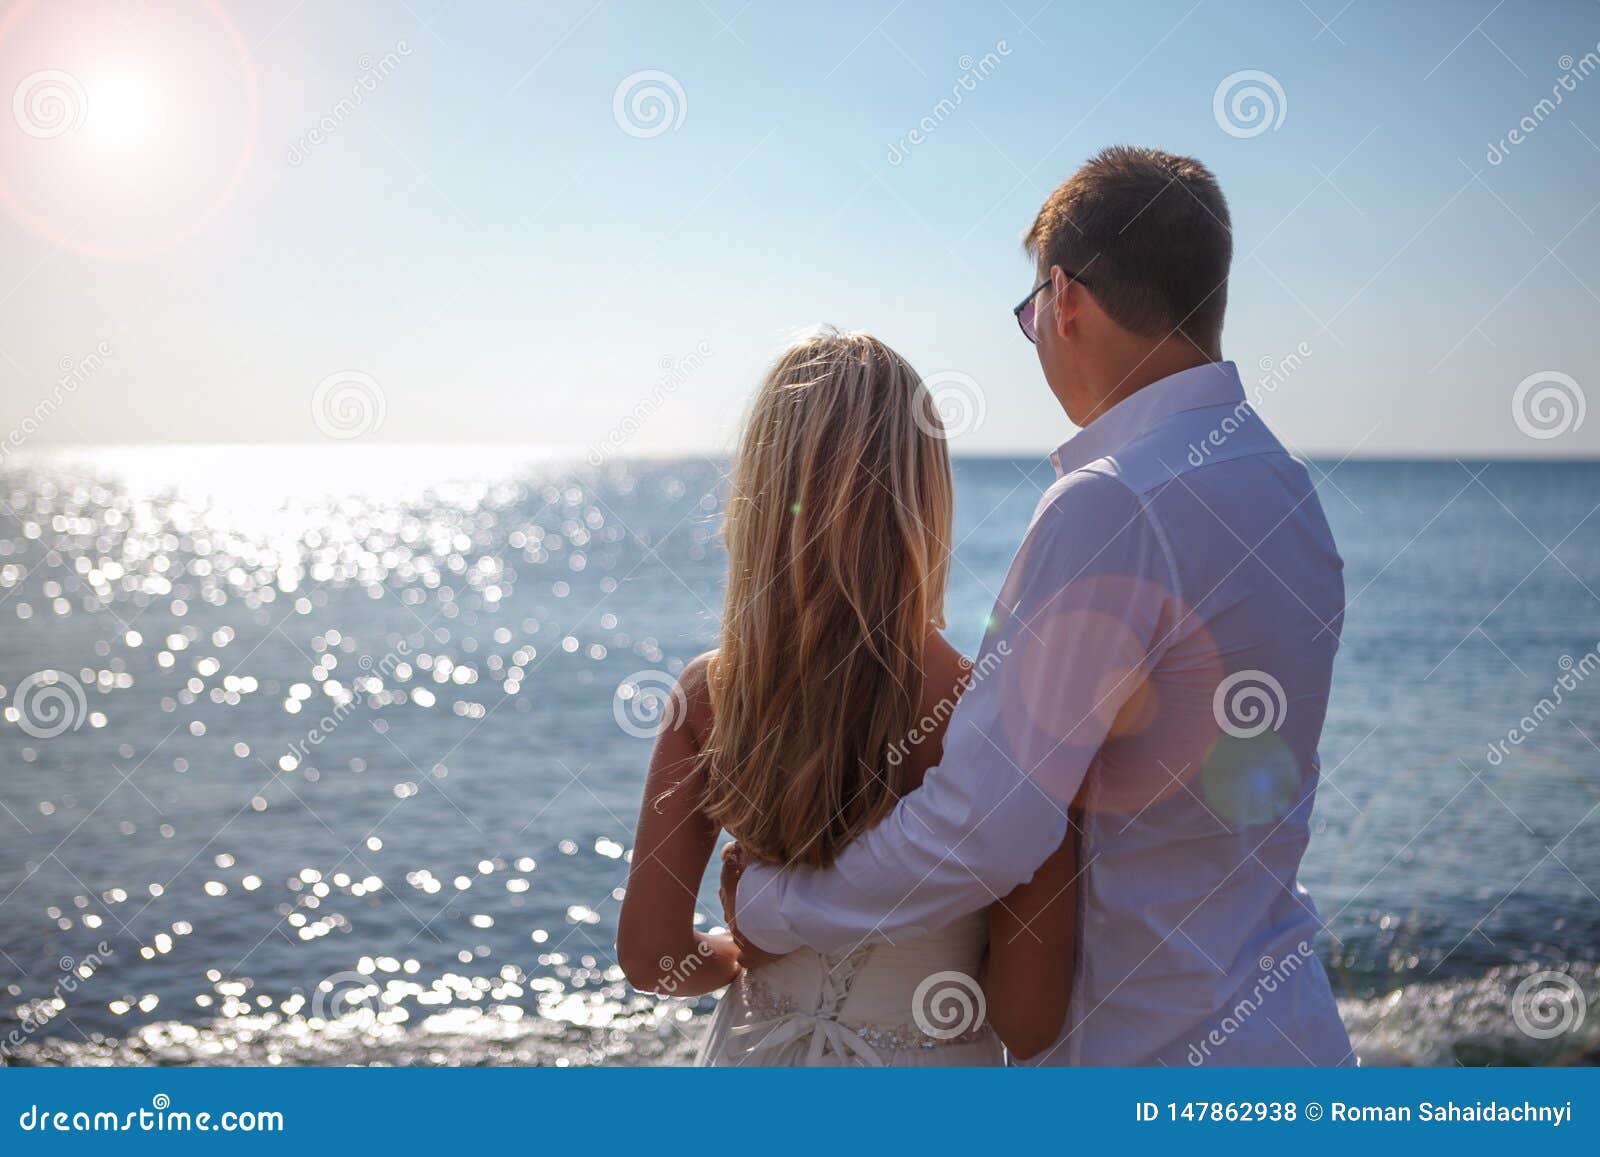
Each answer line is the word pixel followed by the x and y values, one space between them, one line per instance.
pixel 838 531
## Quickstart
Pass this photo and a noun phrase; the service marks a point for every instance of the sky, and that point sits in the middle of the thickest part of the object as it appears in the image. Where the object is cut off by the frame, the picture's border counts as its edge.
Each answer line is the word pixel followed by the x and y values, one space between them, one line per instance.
pixel 592 225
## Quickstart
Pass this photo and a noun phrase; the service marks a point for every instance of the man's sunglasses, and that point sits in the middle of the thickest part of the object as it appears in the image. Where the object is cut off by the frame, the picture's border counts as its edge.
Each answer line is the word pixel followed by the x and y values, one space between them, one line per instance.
pixel 1027 315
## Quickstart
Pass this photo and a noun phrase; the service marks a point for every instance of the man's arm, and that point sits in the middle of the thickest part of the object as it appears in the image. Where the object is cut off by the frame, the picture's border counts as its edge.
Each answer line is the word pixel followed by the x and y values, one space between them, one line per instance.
pixel 1075 631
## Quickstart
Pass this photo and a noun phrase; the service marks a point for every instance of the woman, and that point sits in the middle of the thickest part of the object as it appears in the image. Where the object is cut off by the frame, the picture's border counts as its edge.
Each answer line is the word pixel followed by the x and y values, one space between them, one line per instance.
pixel 811 719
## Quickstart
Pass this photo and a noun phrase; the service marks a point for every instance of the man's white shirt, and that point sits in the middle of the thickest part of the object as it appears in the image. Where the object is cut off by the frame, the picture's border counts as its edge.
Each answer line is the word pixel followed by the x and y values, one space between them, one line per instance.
pixel 1158 664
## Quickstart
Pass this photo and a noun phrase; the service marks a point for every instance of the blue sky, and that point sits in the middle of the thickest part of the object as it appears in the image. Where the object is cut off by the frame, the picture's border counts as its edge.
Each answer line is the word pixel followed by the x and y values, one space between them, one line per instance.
pixel 483 242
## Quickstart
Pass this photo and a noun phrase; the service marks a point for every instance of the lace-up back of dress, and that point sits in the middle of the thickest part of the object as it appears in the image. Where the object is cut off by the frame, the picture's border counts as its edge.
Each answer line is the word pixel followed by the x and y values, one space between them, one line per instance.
pixel 864 1005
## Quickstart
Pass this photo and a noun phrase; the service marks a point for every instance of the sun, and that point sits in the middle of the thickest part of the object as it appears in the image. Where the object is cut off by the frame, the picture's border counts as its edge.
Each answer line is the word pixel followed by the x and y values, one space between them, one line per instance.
pixel 143 120
pixel 122 107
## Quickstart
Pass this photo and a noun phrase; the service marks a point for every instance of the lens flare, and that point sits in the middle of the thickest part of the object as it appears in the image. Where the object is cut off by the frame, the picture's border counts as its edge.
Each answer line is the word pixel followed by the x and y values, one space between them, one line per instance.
pixel 131 127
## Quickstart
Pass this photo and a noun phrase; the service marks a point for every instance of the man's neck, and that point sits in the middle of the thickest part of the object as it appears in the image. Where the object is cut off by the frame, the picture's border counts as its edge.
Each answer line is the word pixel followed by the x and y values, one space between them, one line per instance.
pixel 1142 368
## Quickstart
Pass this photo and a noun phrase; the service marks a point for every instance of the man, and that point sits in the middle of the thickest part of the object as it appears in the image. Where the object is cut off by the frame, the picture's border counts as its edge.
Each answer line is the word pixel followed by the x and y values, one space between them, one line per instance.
pixel 1168 630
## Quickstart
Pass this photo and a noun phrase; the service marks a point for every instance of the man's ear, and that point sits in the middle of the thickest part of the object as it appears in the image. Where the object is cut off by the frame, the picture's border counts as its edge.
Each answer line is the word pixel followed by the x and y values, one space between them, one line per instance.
pixel 1064 301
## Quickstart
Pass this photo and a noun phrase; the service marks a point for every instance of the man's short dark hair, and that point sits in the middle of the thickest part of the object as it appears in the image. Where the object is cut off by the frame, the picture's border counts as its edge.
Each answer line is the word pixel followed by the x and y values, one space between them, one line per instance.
pixel 1150 232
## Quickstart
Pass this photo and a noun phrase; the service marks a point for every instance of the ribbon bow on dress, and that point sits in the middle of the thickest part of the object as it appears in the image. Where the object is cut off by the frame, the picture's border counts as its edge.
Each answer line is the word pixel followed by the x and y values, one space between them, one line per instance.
pixel 821 1025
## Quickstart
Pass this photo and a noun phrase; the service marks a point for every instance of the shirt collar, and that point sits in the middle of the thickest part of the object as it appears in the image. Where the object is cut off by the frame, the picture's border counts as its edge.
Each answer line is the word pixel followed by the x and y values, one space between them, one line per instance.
pixel 1212 384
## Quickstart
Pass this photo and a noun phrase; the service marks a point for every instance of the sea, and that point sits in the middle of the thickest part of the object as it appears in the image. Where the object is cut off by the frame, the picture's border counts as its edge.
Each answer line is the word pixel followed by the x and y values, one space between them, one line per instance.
pixel 332 755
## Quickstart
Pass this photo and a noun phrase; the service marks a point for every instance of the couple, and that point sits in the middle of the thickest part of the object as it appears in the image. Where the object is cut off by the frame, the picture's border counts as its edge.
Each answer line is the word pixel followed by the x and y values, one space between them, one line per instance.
pixel 1091 858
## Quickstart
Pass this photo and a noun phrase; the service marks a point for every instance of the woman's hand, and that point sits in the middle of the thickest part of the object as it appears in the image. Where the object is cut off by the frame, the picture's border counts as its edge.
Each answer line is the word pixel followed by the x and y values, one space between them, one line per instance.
pixel 728 883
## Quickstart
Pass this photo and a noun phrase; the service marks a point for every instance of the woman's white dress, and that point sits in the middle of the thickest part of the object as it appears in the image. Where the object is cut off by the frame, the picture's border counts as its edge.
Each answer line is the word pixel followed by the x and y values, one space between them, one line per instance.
pixel 913 1003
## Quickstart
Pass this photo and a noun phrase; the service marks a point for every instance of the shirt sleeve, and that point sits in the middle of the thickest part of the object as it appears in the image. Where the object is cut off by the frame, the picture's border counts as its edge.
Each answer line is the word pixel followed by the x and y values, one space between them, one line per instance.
pixel 1074 632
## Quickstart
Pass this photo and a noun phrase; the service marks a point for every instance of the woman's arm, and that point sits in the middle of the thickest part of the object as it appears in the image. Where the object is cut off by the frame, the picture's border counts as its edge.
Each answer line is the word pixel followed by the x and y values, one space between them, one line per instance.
pixel 657 945
pixel 1032 947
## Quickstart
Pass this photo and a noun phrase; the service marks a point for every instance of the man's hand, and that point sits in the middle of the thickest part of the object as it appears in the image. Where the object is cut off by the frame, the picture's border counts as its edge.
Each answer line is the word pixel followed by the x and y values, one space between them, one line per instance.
pixel 733 864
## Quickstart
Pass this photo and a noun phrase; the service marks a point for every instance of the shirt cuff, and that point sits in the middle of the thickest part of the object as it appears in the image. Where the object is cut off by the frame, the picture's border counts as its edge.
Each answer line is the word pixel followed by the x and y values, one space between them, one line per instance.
pixel 756 909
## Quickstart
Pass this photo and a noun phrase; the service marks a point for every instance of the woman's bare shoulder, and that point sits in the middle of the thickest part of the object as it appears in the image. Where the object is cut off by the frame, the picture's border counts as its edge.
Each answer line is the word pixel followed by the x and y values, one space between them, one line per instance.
pixel 947 671
pixel 693 693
